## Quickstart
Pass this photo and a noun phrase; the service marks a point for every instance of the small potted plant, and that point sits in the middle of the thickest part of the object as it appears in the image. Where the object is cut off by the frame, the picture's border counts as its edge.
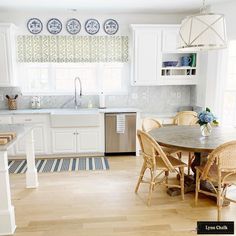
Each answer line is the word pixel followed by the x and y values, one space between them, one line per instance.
pixel 205 119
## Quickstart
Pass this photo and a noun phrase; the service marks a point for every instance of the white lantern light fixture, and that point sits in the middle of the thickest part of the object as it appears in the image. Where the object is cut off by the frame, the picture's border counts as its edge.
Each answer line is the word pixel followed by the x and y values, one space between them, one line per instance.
pixel 204 31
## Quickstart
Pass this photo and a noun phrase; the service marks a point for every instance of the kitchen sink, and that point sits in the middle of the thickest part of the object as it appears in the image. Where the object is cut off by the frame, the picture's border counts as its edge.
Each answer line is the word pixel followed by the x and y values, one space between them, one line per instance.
pixel 75 111
pixel 75 118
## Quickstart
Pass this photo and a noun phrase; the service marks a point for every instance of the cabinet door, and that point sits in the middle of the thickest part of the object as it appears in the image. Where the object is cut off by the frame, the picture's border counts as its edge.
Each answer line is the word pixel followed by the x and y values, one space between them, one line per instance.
pixel 39 141
pixel 147 56
pixel 4 71
pixel 7 56
pixel 88 140
pixel 63 140
pixel 170 38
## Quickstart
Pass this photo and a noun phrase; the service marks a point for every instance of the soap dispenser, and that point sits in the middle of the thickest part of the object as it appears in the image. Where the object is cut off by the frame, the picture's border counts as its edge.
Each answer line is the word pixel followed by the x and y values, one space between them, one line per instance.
pixel 102 100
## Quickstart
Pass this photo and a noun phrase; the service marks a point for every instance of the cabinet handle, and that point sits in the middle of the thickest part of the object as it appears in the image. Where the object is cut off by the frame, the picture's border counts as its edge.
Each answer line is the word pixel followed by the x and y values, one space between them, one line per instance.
pixel 74 133
pixel 28 119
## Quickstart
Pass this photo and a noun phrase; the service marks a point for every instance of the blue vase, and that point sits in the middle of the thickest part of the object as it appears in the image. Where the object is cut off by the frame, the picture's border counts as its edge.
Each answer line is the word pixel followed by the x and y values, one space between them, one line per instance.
pixel 185 61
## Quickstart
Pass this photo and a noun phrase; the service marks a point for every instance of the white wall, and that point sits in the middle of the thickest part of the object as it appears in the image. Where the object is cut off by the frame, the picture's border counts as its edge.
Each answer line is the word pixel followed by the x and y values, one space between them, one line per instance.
pixel 213 66
pixel 152 99
pixel 229 10
pixel 20 19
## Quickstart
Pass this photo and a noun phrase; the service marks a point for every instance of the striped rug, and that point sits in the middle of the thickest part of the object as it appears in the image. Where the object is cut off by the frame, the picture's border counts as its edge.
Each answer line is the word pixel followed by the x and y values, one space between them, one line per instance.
pixel 61 164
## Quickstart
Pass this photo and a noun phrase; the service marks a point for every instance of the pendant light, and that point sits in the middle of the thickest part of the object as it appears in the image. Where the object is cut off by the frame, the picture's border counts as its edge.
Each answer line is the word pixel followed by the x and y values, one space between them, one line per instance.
pixel 203 31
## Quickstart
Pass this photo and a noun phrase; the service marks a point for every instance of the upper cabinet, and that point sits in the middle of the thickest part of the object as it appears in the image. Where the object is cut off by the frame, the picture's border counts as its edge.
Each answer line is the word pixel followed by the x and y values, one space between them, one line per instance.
pixel 147 45
pixel 170 39
pixel 152 47
pixel 7 52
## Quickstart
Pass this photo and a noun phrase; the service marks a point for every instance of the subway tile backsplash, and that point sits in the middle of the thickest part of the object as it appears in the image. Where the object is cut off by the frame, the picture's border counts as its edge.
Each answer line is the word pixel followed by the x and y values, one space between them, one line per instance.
pixel 155 99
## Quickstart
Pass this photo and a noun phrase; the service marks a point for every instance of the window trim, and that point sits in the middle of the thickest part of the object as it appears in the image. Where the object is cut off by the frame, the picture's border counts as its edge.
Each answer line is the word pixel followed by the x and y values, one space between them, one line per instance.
pixel 50 66
pixel 225 58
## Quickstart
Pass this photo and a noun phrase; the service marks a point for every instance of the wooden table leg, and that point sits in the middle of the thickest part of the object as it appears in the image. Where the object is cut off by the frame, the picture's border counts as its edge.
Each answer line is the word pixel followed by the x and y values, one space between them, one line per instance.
pixel 196 162
pixel 190 181
pixel 31 173
pixel 7 213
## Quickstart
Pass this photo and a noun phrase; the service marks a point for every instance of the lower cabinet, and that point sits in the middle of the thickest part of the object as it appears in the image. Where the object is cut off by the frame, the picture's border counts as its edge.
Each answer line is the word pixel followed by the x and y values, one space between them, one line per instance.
pixel 75 140
pixel 48 140
pixel 88 140
pixel 39 133
pixel 63 140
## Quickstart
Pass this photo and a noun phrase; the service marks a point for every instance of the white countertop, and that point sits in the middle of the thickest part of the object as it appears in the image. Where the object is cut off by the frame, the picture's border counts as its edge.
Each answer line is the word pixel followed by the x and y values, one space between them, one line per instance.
pixel 67 111
pixel 119 109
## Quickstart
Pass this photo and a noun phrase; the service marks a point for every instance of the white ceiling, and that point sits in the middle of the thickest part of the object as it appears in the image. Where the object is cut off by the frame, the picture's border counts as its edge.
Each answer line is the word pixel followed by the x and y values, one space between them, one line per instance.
pixel 118 6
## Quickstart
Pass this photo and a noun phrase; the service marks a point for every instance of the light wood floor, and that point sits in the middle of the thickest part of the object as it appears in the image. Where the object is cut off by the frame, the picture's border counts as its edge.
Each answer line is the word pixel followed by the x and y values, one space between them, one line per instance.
pixel 103 203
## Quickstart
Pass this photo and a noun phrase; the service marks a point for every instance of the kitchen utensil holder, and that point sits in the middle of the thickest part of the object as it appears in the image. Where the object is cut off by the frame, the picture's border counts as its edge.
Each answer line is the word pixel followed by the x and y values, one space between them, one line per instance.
pixel 12 104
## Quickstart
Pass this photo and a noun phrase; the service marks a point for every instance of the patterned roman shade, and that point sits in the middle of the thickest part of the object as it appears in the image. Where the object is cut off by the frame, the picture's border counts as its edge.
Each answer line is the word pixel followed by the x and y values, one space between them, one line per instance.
pixel 46 48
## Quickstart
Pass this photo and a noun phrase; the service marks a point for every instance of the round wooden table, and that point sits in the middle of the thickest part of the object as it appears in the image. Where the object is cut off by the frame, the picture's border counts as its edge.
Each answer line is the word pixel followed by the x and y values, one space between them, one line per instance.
pixel 189 138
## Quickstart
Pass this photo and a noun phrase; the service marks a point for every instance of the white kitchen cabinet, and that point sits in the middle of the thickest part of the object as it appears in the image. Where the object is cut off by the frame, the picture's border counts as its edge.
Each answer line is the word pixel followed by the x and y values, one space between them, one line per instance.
pixel 75 140
pixel 39 141
pixel 151 46
pixel 170 40
pixel 146 56
pixel 88 140
pixel 5 119
pixel 7 52
pixel 64 140
pixel 40 131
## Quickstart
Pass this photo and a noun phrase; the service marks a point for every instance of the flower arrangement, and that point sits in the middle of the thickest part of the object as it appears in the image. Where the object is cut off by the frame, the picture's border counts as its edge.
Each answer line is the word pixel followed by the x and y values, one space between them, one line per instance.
pixel 206 117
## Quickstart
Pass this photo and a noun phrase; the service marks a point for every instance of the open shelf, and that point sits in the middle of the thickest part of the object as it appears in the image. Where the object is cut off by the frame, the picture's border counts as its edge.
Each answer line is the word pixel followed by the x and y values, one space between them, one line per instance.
pixel 190 71
pixel 178 67
pixel 178 73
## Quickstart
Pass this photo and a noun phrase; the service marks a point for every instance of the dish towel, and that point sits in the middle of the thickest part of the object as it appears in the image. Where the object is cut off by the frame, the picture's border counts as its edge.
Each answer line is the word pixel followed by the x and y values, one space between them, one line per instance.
pixel 120 123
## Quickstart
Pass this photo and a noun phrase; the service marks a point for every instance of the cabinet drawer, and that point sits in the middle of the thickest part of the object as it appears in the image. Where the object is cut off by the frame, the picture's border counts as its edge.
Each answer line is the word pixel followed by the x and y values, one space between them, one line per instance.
pixel 27 119
pixel 5 120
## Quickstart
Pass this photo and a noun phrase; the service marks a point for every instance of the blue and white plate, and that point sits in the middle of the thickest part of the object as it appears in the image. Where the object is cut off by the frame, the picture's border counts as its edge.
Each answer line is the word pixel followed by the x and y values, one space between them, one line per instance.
pixel 73 26
pixel 111 26
pixel 54 26
pixel 34 25
pixel 92 26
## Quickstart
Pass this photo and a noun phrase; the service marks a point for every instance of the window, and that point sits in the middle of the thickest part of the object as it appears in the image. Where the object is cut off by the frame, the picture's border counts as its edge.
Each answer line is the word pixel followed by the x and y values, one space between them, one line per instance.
pixel 58 78
pixel 229 96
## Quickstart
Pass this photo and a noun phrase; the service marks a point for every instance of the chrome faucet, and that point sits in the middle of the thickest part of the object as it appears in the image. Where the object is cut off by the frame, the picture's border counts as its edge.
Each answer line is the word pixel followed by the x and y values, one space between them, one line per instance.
pixel 80 93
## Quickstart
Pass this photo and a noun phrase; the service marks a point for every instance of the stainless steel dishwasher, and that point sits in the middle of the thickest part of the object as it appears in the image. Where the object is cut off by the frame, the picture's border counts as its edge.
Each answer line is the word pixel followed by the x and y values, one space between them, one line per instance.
pixel 124 142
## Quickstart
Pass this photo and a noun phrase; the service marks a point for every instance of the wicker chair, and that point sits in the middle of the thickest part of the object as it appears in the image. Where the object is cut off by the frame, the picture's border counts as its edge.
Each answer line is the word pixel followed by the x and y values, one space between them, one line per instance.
pixel 156 160
pixel 186 118
pixel 150 124
pixel 221 169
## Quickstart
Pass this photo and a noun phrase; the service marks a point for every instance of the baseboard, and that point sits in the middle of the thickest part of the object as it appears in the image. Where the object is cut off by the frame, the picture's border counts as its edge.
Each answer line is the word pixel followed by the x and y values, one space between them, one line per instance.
pixel 85 154
pixel 120 154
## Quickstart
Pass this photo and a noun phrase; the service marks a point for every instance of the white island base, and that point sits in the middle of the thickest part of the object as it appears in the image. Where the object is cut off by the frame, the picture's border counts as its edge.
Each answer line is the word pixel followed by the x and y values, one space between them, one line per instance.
pixel 7 213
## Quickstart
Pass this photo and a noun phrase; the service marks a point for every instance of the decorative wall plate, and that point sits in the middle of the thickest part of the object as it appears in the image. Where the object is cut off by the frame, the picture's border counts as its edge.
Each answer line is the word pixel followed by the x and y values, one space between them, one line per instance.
pixel 34 25
pixel 92 26
pixel 54 26
pixel 73 26
pixel 110 26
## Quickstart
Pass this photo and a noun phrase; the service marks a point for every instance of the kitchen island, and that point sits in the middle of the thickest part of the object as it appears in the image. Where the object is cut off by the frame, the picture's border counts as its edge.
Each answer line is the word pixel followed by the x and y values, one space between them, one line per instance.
pixel 7 213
